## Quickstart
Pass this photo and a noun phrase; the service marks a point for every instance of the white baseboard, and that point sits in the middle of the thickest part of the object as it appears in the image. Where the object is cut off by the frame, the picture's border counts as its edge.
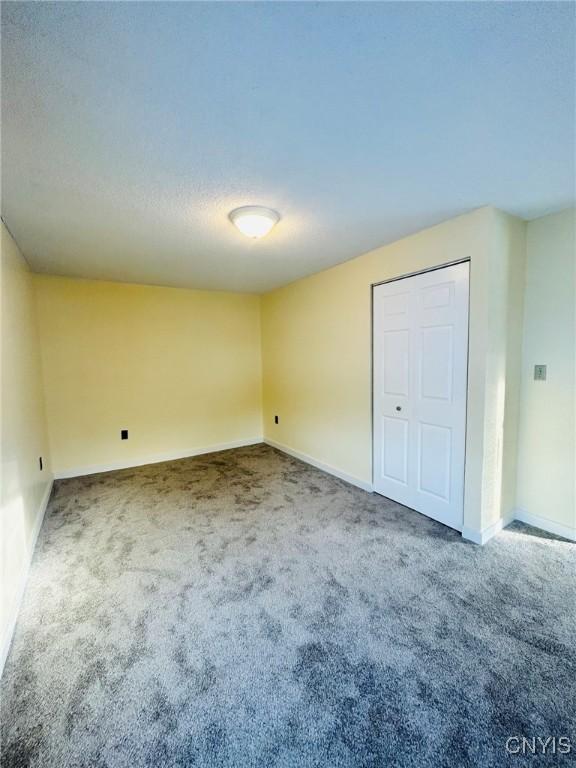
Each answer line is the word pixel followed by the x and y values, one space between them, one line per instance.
pixel 320 465
pixel 154 459
pixel 566 531
pixel 481 537
pixel 17 603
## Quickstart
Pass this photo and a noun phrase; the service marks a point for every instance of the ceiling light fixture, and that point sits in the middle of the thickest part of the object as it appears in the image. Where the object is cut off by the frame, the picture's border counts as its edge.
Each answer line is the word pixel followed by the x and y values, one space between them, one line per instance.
pixel 254 220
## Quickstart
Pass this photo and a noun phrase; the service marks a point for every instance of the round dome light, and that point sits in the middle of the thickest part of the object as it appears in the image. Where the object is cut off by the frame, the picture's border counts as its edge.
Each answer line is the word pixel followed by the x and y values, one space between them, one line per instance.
pixel 254 220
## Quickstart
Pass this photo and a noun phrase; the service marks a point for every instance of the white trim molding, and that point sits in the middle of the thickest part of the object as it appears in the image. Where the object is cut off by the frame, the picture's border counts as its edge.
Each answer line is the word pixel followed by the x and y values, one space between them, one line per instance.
pixel 154 459
pixel 565 531
pixel 320 465
pixel 481 537
pixel 17 604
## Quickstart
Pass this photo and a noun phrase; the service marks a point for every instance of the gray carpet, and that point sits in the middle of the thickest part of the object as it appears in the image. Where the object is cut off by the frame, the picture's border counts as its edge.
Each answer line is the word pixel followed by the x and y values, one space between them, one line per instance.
pixel 244 609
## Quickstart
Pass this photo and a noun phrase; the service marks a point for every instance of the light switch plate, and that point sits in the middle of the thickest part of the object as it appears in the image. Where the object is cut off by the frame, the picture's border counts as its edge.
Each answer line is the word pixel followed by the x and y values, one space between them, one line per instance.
pixel 539 373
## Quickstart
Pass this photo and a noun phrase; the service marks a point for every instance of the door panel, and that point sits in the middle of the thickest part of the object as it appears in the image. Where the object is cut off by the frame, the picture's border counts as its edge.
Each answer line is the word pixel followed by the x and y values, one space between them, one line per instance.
pixel 397 304
pixel 434 465
pixel 395 362
pixel 435 296
pixel 420 380
pixel 395 453
pixel 436 362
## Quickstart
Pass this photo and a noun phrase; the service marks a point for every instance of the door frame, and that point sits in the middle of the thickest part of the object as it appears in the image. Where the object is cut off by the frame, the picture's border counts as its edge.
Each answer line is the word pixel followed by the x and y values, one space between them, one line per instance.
pixel 393 280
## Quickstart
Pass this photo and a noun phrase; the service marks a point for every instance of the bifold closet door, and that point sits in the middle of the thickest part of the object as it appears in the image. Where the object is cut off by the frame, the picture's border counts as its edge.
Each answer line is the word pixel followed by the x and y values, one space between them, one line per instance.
pixel 420 385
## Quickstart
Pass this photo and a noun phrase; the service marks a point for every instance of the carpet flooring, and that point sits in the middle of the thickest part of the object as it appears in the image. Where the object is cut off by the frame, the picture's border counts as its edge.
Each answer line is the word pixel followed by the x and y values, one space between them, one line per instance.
pixel 244 609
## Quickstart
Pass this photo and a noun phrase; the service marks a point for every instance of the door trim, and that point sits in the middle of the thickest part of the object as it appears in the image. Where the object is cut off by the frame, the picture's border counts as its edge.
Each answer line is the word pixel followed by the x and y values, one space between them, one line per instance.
pixel 435 268
pixel 418 272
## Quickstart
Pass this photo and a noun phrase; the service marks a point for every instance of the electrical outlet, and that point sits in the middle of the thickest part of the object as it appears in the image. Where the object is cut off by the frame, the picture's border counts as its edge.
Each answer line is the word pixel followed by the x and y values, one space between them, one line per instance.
pixel 539 373
pixel 124 434
pixel 276 419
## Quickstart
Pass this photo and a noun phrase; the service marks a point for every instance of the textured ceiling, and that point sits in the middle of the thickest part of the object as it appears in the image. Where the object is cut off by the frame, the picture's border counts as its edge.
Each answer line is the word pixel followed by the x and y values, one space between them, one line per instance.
pixel 130 130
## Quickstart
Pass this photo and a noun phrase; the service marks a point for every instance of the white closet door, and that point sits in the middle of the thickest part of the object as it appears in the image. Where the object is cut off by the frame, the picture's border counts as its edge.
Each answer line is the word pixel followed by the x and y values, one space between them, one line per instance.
pixel 420 383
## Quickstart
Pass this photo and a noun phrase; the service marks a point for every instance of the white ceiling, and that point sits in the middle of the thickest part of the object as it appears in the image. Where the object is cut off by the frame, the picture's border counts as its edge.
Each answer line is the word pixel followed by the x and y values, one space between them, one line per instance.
pixel 130 130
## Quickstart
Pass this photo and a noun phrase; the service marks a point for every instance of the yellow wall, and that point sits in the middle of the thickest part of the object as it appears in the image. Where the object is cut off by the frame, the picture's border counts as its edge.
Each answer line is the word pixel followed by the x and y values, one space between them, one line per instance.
pixel 24 487
pixel 317 355
pixel 547 450
pixel 179 369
